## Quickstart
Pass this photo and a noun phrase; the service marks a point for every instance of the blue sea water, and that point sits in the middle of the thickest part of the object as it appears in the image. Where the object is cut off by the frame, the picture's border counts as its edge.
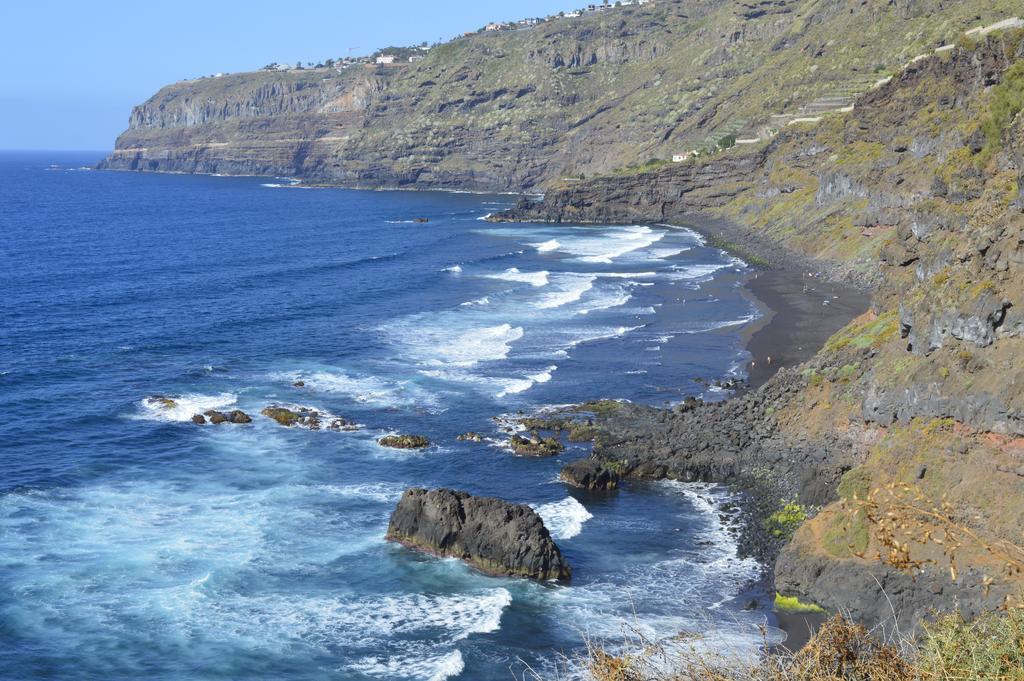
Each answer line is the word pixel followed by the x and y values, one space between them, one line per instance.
pixel 134 544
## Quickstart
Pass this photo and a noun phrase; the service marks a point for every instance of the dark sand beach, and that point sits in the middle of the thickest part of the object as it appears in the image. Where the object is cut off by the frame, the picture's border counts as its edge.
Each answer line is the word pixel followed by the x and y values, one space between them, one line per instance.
pixel 801 311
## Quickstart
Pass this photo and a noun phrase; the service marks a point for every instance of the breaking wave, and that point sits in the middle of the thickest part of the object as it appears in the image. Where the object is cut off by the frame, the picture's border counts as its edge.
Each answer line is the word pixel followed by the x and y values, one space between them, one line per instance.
pixel 564 519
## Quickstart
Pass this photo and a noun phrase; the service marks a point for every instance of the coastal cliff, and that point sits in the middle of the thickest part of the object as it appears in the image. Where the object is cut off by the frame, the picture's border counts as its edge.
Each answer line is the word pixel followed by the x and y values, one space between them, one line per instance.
pixel 522 109
pixel 887 471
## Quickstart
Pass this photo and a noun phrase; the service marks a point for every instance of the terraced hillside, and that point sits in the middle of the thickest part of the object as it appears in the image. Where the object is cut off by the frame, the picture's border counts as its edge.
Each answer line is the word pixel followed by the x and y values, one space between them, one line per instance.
pixel 571 97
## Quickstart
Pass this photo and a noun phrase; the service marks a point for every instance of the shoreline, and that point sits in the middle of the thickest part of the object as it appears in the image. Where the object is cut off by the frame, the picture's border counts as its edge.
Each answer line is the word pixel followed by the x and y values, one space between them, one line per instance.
pixel 803 302
pixel 800 313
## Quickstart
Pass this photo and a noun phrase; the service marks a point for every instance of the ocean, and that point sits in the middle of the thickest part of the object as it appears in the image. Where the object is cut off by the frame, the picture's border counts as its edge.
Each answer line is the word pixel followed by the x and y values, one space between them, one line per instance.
pixel 135 544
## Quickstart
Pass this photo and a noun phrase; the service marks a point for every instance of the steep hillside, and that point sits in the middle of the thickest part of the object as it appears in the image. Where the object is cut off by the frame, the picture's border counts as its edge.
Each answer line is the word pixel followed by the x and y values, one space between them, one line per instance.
pixel 903 439
pixel 520 109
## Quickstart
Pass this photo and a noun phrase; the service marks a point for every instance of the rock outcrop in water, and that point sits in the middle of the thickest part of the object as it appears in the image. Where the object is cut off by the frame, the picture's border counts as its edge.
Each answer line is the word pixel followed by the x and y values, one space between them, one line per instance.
pixel 493 535
pixel 535 445
pixel 590 474
pixel 404 441
pixel 305 417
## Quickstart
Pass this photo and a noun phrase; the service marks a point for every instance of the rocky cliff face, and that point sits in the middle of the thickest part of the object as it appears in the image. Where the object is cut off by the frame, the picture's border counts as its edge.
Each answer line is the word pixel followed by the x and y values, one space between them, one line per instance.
pixel 903 439
pixel 522 109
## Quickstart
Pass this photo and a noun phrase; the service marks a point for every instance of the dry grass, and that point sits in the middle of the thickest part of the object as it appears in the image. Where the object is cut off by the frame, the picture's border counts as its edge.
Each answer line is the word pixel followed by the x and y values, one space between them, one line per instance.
pixel 990 648
pixel 912 531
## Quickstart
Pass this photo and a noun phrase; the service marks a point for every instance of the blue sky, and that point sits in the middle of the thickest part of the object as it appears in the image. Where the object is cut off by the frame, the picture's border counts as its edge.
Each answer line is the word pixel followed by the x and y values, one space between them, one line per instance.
pixel 71 71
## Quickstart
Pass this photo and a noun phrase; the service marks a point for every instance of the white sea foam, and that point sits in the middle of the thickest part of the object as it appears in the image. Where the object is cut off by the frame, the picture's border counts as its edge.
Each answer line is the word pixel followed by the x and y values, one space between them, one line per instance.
pixel 382 492
pixel 704 327
pixel 604 334
pixel 611 243
pixel 547 246
pixel 485 300
pixel 499 386
pixel 420 666
pixel 370 390
pixel 521 385
pixel 513 274
pixel 434 342
pixel 721 560
pixel 484 344
pixel 454 269
pixel 689 272
pixel 569 288
pixel 290 183
pixel 183 407
pixel 614 296
pixel 564 519
pixel 695 581
pixel 627 275
pixel 448 666
pixel 665 253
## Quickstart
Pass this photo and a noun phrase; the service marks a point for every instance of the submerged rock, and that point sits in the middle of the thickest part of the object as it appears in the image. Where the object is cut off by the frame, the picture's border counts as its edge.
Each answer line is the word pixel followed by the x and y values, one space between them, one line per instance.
pixel 493 535
pixel 404 441
pixel 590 474
pixel 299 384
pixel 161 401
pixel 535 446
pixel 470 437
pixel 342 424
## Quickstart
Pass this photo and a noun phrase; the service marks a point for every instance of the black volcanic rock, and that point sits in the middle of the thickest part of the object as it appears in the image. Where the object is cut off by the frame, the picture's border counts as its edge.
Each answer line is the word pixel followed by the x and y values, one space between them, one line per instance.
pixel 493 535
pixel 590 474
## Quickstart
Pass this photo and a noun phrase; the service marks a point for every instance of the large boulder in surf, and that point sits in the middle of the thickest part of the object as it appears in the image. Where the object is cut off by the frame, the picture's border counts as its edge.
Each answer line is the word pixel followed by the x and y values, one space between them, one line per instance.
pixel 590 474
pixel 495 536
